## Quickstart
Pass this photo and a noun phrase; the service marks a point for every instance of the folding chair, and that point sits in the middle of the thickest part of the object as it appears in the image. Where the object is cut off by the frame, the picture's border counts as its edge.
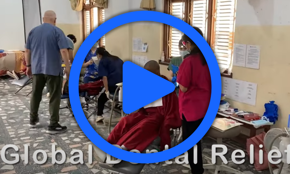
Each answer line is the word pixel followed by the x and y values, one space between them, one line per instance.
pixel 22 83
pixel 68 106
pixel 92 91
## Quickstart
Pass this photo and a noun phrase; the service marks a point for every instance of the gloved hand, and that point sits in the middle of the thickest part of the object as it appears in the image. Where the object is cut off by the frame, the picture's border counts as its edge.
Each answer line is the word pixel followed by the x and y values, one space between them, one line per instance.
pixel 108 94
pixel 174 69
pixel 174 79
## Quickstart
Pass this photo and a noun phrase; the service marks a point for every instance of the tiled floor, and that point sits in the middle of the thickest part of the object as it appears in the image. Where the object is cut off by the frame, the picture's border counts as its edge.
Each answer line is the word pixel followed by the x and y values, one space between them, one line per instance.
pixel 14 129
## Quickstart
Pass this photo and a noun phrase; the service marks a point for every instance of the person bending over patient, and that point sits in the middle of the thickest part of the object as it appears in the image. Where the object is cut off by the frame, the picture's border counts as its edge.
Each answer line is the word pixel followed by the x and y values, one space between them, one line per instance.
pixel 138 130
pixel 110 69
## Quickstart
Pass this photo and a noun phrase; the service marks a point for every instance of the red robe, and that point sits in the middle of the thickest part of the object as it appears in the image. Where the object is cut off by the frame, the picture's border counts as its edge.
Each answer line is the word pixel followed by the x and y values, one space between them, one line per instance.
pixel 138 130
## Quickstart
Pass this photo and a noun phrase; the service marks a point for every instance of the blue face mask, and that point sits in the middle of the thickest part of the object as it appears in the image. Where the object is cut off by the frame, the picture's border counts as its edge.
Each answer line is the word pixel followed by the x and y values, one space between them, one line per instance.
pixel 183 53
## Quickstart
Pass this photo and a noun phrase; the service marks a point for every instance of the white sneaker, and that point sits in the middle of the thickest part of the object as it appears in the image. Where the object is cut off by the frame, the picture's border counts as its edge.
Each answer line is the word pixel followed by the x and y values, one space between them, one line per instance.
pixel 123 147
pixel 15 75
pixel 99 119
pixel 10 74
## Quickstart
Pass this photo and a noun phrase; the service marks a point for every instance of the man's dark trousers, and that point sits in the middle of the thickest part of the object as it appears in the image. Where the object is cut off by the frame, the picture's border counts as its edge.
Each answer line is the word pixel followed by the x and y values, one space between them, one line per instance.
pixel 54 84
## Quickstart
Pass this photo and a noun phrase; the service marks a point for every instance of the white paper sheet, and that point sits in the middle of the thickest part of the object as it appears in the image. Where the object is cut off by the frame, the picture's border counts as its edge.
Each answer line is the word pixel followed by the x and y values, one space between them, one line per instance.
pixel 140 45
pixel 241 91
pixel 253 57
pixel 156 103
pixel 240 51
pixel 139 60
pixel 251 93
pixel 143 60
pixel 135 44
pixel 226 86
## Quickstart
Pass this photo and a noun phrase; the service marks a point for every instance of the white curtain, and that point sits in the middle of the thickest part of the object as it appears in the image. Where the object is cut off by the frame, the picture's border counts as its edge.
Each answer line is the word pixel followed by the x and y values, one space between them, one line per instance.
pixel 32 15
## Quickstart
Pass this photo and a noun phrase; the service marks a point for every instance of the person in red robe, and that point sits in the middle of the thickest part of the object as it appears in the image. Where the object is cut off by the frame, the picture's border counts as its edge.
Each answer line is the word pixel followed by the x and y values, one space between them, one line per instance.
pixel 138 130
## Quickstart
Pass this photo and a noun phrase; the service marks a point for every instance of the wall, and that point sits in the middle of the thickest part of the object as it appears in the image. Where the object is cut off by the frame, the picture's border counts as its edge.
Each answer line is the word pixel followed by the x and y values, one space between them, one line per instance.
pixel 68 20
pixel 118 40
pixel 12 32
pixel 150 33
pixel 266 23
pixel 12 27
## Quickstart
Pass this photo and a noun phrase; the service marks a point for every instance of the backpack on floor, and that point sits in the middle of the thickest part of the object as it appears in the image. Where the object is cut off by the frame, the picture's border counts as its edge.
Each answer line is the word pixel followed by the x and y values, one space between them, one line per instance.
pixel 257 141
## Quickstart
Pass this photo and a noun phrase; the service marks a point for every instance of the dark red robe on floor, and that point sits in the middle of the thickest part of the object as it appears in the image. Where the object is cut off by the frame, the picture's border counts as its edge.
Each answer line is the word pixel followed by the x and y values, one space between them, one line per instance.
pixel 138 130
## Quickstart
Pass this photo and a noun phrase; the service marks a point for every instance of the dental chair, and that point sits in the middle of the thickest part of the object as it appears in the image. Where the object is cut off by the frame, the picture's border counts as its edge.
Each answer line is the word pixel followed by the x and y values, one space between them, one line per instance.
pixel 128 168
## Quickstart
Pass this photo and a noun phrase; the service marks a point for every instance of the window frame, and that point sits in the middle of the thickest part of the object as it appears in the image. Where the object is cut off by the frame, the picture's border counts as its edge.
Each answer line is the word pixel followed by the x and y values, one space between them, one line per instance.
pixel 188 19
pixel 90 7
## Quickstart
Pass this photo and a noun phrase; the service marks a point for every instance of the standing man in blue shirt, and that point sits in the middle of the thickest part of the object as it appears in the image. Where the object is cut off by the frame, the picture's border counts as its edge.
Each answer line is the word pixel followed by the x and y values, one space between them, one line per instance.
pixel 71 39
pixel 46 48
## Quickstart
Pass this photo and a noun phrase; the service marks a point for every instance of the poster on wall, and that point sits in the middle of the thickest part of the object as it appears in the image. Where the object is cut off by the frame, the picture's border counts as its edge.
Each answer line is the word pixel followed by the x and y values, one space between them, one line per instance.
pixel 140 60
pixel 137 45
pixel 240 51
pixel 253 57
pixel 240 91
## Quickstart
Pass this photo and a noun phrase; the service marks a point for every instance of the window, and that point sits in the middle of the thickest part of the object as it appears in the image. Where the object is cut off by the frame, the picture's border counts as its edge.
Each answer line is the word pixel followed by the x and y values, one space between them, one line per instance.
pixel 215 18
pixel 93 17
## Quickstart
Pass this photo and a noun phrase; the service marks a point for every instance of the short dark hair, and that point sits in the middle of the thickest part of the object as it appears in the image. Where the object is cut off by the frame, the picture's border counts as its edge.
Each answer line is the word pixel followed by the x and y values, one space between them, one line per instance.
pixel 72 37
pixel 104 53
pixel 152 66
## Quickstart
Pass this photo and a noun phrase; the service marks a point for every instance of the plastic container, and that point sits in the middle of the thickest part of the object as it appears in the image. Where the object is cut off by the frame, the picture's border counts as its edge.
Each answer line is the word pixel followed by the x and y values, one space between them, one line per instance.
pixel 1 51
pixel 271 111
pixel 162 57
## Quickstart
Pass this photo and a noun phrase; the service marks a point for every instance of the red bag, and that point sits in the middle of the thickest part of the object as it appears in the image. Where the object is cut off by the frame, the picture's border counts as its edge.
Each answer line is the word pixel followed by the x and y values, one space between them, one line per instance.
pixel 257 141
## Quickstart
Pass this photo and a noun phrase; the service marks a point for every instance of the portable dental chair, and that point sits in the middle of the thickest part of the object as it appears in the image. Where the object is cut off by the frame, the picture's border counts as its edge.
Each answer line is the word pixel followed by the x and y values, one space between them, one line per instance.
pixel 128 168
pixel 123 166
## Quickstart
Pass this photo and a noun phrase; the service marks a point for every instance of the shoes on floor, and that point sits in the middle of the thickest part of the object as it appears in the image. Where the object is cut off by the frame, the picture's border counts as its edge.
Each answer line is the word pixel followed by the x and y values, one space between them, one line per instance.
pixel 11 74
pixel 33 123
pixel 15 75
pixel 56 129
pixel 99 119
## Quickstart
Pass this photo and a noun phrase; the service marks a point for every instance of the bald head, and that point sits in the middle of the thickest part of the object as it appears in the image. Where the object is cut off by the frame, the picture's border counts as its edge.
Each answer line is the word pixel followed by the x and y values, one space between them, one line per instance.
pixel 49 17
pixel 153 67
